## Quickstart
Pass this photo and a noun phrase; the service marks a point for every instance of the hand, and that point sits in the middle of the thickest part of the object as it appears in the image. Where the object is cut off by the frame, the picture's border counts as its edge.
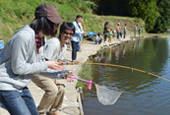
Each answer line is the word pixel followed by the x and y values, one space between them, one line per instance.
pixel 60 67
pixel 68 78
pixel 52 64
pixel 85 33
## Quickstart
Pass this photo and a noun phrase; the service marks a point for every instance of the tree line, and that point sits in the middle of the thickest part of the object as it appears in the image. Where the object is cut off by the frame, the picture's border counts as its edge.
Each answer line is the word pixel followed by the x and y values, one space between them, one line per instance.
pixel 155 13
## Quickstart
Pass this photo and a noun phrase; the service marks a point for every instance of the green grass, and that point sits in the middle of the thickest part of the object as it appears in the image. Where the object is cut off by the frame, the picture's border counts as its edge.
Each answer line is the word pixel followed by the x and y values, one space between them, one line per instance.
pixel 16 13
pixel 85 73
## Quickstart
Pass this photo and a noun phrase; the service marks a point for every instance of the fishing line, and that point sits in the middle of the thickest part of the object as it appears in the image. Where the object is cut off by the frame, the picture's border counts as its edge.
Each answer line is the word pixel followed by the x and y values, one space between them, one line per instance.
pixel 72 63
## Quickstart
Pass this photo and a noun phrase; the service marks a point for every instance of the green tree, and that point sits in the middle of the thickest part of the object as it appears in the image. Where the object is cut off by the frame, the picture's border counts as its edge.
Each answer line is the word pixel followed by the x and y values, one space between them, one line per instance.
pixel 112 7
pixel 145 9
pixel 162 23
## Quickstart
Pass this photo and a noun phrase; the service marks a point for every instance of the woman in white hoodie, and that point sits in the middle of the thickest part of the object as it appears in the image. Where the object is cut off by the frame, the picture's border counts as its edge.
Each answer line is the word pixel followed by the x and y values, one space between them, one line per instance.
pixel 18 62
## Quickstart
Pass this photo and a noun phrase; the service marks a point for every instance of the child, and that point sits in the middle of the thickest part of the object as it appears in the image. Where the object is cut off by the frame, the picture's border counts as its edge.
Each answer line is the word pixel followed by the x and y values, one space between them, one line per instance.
pixel 110 36
pixel 140 29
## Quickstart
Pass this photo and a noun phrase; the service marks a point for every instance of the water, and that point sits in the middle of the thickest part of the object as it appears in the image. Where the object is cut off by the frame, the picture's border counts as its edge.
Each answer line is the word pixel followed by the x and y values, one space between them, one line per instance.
pixel 144 94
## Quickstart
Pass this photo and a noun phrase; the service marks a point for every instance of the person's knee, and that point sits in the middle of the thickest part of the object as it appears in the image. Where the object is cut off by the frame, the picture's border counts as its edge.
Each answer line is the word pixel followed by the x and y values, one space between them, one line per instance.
pixel 62 90
pixel 51 91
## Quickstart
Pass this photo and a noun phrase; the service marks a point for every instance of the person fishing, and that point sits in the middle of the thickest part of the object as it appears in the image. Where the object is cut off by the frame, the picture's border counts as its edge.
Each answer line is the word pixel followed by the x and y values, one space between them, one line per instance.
pixel 18 61
pixel 54 49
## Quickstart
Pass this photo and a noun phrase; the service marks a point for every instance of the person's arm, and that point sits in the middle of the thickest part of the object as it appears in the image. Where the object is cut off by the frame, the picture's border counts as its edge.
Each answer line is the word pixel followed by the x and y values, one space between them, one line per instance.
pixel 107 28
pixel 50 49
pixel 20 54
pixel 62 53
pixel 55 74
pixel 101 37
pixel 61 67
pixel 58 72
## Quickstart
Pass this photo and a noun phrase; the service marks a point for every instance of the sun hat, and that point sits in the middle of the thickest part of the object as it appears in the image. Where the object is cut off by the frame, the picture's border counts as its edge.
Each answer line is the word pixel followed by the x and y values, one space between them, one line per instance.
pixel 118 23
pixel 48 11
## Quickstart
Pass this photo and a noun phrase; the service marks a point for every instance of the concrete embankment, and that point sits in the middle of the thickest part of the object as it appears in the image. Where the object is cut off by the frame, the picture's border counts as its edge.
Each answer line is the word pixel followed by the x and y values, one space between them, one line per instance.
pixel 71 105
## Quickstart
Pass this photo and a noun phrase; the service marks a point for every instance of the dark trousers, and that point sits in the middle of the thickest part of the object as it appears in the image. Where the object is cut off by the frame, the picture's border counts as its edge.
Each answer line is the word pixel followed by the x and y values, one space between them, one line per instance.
pixel 105 38
pixel 118 35
pixel 74 50
pixel 124 34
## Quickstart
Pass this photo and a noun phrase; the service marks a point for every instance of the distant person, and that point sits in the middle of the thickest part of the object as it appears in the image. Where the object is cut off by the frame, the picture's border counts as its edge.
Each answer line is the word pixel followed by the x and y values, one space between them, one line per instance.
pixel 118 29
pixel 54 49
pixel 18 61
pixel 135 29
pixel 98 38
pixel 76 37
pixel 106 31
pixel 140 29
pixel 110 36
pixel 125 31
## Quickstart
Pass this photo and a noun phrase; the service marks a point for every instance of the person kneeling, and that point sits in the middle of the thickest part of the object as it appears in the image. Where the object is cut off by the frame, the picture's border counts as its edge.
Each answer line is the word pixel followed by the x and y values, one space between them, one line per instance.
pixel 98 38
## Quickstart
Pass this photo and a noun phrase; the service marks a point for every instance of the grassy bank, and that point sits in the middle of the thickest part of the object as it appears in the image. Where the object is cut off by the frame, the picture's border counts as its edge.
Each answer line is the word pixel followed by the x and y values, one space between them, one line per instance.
pixel 16 13
pixel 85 73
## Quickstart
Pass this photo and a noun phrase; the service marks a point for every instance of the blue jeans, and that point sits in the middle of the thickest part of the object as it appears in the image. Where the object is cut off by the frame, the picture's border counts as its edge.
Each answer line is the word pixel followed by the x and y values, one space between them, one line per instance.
pixel 78 48
pixel 74 49
pixel 18 103
pixel 118 35
pixel 98 41
pixel 139 32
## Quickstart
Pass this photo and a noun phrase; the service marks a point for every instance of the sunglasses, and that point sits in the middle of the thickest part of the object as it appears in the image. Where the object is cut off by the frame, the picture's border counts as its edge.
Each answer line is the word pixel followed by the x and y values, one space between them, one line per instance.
pixel 71 34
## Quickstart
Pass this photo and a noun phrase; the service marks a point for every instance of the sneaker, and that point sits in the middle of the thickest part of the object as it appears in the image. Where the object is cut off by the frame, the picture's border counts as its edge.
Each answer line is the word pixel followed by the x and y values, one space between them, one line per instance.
pixel 76 62
pixel 58 113
pixel 79 50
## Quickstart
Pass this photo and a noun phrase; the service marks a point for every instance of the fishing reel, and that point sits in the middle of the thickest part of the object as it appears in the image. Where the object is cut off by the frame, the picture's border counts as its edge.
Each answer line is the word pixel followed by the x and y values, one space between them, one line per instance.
pixel 66 72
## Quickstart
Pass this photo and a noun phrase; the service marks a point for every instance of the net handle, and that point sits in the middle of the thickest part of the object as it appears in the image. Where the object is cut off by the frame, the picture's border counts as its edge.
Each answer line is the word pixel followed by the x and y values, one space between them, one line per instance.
pixel 90 82
pixel 79 79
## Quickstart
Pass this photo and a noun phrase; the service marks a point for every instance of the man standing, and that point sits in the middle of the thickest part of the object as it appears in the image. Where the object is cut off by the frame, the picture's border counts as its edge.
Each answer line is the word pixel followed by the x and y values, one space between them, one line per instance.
pixel 77 36
pixel 125 30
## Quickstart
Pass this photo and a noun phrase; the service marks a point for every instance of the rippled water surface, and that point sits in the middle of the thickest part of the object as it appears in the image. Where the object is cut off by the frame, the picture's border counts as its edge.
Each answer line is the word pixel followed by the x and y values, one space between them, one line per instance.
pixel 144 94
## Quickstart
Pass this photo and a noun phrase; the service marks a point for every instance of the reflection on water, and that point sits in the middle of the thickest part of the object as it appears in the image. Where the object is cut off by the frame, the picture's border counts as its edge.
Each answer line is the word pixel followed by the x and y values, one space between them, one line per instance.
pixel 144 94
pixel 117 53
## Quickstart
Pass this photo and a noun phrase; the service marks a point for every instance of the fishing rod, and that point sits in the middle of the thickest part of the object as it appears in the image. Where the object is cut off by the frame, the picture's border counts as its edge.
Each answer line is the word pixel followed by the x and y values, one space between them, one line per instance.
pixel 76 63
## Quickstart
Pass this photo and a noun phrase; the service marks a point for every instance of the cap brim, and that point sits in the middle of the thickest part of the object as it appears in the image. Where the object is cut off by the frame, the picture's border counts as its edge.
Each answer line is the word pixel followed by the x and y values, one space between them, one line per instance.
pixel 56 19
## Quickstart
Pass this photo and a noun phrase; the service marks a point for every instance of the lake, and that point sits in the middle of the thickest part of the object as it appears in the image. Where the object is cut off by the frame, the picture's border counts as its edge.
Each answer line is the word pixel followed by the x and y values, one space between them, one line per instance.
pixel 144 94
